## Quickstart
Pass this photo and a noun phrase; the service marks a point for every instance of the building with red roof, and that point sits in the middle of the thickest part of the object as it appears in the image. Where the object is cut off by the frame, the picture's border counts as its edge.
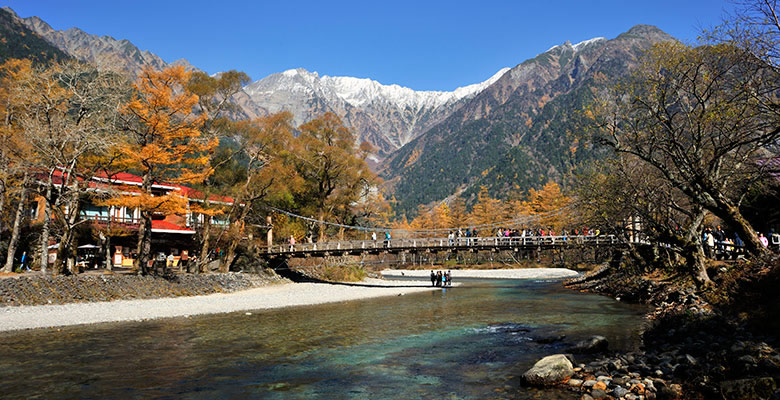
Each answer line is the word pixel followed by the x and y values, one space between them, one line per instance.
pixel 118 225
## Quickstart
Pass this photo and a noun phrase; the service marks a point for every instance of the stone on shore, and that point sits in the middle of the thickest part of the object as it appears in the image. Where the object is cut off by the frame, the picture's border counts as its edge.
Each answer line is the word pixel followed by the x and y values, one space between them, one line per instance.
pixel 549 370
pixel 758 388
pixel 596 344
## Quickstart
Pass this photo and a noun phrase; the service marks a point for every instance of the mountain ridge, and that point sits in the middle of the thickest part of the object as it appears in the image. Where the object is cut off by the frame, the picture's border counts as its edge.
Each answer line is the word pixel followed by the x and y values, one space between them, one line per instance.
pixel 387 116
pixel 519 132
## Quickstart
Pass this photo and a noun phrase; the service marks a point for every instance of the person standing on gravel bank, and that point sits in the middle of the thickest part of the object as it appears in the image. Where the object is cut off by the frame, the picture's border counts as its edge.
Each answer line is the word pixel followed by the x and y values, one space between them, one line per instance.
pixel 183 261
pixel 23 267
pixel 433 278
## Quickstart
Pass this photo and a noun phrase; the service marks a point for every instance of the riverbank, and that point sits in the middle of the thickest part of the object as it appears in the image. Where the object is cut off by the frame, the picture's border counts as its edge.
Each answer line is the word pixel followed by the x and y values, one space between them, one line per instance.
pixel 515 273
pixel 34 288
pixel 276 295
pixel 718 341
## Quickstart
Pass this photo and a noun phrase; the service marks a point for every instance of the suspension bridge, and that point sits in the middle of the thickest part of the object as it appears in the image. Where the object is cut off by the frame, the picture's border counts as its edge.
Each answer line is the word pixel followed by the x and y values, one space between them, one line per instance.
pixel 435 245
pixel 431 243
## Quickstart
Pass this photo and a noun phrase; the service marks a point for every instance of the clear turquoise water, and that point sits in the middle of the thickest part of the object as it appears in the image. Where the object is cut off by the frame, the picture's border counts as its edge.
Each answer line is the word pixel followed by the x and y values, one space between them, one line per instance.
pixel 468 342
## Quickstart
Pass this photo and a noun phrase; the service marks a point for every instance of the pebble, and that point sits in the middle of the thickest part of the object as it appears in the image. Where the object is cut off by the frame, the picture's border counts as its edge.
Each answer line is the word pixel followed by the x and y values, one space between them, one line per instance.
pixel 620 391
pixel 575 382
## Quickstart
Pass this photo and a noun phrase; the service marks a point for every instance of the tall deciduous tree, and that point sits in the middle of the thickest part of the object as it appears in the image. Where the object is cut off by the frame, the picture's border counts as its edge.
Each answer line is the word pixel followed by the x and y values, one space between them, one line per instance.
pixel 14 152
pixel 487 210
pixel 215 104
pixel 68 119
pixel 701 117
pixel 620 190
pixel 263 142
pixel 164 143
pixel 326 159
pixel 549 202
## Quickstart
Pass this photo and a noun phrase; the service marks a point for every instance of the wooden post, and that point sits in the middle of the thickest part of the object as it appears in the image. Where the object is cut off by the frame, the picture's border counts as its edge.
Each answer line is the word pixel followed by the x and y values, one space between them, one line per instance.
pixel 270 235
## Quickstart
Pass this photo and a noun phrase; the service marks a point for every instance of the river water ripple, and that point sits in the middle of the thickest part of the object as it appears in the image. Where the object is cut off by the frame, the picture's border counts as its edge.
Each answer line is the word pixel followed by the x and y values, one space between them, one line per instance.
pixel 468 342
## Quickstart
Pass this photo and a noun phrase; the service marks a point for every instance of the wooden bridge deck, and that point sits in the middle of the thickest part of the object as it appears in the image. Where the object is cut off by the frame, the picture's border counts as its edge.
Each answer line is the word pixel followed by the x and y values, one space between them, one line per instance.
pixel 418 245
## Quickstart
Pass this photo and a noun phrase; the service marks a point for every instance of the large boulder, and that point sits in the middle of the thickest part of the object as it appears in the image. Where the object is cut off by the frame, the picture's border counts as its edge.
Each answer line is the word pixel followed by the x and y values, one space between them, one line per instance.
pixel 550 370
pixel 596 344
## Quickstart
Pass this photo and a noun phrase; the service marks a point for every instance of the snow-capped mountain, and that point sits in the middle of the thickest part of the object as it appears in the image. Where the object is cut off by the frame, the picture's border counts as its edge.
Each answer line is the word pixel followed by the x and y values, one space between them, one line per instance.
pixel 387 116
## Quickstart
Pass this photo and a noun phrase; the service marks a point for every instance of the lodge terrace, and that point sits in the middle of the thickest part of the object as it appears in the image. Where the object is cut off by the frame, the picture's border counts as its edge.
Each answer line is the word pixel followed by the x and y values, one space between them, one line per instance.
pixel 117 227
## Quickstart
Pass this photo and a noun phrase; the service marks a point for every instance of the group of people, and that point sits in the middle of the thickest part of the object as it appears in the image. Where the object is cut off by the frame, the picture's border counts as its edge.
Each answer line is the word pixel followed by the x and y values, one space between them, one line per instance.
pixel 546 232
pixel 717 244
pixel 441 279
pixel 506 232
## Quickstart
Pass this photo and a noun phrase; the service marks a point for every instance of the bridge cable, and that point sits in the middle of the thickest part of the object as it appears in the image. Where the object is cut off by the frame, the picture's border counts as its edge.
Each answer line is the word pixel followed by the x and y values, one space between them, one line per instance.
pixel 511 222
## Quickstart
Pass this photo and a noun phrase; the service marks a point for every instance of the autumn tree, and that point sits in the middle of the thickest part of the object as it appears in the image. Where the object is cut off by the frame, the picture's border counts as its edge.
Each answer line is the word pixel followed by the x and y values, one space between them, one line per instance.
pixel 487 210
pixel 14 153
pixel 68 116
pixel 701 117
pixel 215 105
pixel 549 204
pixel 623 190
pixel 164 142
pixel 263 142
pixel 335 174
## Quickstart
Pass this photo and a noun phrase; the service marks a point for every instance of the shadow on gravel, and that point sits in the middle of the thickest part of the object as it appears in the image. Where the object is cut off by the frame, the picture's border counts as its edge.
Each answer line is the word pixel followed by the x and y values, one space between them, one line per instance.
pixel 299 277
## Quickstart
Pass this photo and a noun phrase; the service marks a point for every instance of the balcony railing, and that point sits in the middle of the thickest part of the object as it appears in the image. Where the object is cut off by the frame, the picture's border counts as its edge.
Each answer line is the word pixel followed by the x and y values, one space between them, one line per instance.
pixel 105 219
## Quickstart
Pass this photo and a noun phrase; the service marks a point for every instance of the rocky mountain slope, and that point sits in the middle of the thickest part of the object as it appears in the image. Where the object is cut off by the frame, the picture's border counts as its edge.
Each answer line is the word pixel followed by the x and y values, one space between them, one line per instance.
pixel 387 116
pixel 18 41
pixel 118 55
pixel 520 131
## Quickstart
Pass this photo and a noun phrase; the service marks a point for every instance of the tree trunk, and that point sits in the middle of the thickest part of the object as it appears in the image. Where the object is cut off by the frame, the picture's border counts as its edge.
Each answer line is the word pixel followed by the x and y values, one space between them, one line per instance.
pixel 44 242
pixel 109 254
pixel 239 234
pixel 203 259
pixel 17 228
pixel 321 235
pixel 731 216
pixel 144 247
pixel 697 264
pixel 67 252
pixel 693 252
pixel 2 204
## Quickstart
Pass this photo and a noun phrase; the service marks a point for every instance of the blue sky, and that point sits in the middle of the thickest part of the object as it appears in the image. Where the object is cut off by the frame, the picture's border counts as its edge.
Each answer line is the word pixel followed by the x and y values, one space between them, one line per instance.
pixel 424 45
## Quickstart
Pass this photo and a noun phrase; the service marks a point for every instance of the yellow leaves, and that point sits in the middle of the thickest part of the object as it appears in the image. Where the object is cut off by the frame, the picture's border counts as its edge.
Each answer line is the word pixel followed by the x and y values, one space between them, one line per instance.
pixel 413 157
pixel 168 204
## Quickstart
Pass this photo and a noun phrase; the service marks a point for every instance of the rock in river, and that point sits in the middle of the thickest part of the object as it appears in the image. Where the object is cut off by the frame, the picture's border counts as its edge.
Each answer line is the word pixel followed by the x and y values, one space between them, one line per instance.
pixel 549 371
pixel 595 344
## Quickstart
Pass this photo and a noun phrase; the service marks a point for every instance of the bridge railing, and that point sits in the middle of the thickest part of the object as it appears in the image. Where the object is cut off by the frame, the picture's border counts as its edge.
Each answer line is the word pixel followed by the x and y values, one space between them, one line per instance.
pixel 441 243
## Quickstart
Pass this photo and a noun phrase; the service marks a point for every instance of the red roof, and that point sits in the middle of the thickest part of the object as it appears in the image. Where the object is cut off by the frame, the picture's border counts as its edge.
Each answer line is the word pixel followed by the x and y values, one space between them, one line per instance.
pixel 162 226
pixel 125 178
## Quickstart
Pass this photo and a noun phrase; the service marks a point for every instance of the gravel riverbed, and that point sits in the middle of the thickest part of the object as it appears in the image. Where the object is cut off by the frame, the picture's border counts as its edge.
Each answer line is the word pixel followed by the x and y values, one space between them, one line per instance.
pixel 271 296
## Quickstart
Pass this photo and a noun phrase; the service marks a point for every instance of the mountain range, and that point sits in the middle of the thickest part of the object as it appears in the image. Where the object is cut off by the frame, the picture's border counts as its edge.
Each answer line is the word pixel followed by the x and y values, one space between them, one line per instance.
pixel 387 116
pixel 516 130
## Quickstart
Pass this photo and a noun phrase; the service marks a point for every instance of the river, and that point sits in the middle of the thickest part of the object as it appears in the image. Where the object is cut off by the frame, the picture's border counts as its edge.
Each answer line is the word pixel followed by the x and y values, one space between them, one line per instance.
pixel 467 342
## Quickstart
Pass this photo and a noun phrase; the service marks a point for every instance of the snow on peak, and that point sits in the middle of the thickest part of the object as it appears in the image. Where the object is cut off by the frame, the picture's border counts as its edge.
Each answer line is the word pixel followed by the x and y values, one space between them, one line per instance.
pixel 363 91
pixel 584 43
pixel 578 46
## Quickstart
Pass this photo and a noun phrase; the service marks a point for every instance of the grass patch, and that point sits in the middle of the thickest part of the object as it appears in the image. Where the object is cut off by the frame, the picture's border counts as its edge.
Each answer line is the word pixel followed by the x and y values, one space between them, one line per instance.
pixel 343 273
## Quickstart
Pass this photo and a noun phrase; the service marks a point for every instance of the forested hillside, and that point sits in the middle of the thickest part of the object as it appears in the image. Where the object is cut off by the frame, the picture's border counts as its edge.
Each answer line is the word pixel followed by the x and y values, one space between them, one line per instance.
pixel 520 132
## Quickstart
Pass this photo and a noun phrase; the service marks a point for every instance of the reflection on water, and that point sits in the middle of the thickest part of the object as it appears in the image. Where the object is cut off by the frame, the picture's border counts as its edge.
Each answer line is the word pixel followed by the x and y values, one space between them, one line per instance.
pixel 466 342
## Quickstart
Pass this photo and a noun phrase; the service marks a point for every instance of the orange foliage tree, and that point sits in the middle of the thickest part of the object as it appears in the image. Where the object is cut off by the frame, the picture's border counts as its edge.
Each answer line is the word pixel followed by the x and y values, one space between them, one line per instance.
pixel 14 166
pixel 548 203
pixel 164 143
